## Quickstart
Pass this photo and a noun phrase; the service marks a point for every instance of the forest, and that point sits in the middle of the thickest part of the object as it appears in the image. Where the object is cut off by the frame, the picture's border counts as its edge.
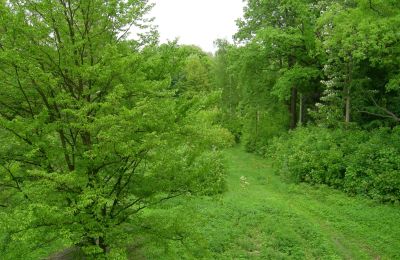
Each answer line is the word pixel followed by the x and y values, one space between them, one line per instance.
pixel 284 144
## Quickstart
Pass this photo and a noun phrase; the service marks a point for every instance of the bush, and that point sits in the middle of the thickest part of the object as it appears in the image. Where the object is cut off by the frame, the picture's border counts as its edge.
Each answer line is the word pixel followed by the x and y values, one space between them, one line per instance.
pixel 356 161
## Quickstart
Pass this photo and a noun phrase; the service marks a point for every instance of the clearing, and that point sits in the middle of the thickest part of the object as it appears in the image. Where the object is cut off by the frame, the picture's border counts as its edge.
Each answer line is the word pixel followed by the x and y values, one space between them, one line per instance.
pixel 263 217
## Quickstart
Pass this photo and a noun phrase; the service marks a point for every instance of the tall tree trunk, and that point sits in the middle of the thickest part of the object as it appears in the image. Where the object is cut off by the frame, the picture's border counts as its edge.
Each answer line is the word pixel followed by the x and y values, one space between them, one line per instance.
pixel 301 109
pixel 257 122
pixel 348 105
pixel 293 97
pixel 347 90
pixel 293 108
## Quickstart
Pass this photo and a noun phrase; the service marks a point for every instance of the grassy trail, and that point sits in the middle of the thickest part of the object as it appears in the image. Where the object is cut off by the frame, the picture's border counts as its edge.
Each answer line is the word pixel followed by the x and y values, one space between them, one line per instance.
pixel 262 217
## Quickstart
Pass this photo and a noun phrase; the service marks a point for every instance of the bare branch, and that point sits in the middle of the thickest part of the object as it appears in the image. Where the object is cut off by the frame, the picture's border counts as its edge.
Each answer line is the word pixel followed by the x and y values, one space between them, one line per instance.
pixel 374 114
pixel 386 111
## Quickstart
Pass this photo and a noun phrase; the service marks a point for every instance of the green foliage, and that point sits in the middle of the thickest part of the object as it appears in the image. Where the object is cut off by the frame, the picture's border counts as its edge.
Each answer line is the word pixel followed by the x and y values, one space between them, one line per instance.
pixel 356 161
pixel 270 219
pixel 302 77
pixel 358 48
pixel 249 110
pixel 276 60
pixel 226 79
pixel 329 62
pixel 98 133
pixel 96 128
pixel 375 167
pixel 333 64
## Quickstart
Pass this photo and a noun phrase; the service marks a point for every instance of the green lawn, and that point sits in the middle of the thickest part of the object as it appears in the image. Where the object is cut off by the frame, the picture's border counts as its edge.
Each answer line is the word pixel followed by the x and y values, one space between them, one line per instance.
pixel 267 218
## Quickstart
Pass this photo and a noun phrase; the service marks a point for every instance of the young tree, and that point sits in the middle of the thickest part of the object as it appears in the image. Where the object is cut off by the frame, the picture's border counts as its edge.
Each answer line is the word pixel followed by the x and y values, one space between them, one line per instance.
pixel 89 136
pixel 226 76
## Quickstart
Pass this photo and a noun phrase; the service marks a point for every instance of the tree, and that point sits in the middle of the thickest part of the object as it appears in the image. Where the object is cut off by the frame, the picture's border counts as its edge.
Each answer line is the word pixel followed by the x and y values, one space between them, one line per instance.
pixel 359 43
pixel 226 76
pixel 276 70
pixel 250 110
pixel 90 137
pixel 285 30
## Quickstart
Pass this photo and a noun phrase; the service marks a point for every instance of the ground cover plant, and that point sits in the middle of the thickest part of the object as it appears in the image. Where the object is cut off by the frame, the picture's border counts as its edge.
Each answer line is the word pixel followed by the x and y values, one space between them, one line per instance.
pixel 262 216
pixel 115 146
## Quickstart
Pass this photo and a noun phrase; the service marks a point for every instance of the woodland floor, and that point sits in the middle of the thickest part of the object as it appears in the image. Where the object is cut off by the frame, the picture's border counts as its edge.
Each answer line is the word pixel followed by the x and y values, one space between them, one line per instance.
pixel 271 219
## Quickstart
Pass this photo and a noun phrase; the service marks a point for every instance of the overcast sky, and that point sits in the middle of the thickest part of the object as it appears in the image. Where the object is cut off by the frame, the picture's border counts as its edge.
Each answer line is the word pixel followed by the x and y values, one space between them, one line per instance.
pixel 198 22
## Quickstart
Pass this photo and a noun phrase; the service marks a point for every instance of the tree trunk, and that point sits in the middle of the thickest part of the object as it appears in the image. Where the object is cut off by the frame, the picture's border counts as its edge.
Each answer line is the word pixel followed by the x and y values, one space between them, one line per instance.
pixel 348 106
pixel 347 90
pixel 301 110
pixel 103 246
pixel 293 108
pixel 257 122
pixel 293 97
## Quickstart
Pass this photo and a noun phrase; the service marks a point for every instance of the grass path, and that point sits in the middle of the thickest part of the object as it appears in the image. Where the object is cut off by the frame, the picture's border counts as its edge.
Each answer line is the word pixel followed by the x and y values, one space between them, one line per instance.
pixel 267 218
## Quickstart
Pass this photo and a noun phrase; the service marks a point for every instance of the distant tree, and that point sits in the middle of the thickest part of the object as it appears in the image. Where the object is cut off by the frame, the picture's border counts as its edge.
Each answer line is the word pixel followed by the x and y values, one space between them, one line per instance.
pixel 226 78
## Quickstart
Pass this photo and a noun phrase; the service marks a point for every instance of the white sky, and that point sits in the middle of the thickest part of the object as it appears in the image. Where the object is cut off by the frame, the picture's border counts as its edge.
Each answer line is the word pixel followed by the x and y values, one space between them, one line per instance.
pixel 198 22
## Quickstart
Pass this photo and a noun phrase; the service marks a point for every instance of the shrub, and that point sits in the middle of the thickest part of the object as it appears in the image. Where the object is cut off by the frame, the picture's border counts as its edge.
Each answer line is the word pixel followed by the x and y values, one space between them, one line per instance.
pixel 356 161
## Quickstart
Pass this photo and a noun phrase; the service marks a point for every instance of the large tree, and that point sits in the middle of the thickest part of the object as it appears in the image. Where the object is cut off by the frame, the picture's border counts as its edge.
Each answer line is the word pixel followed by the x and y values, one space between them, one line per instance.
pixel 284 29
pixel 359 43
pixel 89 136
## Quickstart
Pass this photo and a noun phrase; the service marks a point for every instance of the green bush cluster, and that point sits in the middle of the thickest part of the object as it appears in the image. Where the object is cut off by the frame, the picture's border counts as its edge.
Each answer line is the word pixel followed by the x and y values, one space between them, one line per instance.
pixel 355 161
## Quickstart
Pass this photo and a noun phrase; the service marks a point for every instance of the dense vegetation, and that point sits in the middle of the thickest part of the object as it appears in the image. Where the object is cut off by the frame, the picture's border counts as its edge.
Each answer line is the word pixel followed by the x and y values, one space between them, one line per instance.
pixel 329 72
pixel 265 218
pixel 366 163
pixel 112 145
pixel 95 128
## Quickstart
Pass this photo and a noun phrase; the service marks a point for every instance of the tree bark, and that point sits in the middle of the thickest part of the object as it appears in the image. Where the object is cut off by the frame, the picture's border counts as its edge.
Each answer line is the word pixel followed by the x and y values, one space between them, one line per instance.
pixel 348 106
pixel 293 97
pixel 293 108
pixel 301 108
pixel 257 122
pixel 347 90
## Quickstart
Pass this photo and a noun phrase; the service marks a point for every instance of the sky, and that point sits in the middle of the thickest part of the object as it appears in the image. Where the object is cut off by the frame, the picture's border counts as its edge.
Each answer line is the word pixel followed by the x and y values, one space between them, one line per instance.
pixel 198 22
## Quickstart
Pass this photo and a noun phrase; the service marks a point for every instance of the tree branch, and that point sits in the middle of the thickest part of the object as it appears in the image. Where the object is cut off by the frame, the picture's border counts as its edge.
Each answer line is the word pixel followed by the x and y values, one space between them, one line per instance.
pixel 385 110
pixel 23 92
pixel 18 186
pixel 374 114
pixel 145 206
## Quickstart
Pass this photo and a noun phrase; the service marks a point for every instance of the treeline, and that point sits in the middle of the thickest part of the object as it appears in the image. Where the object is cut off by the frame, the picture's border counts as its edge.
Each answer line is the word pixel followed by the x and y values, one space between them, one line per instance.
pixel 329 71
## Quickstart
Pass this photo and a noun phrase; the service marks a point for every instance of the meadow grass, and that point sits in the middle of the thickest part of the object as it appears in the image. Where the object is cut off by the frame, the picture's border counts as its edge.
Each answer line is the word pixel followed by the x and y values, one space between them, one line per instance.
pixel 263 217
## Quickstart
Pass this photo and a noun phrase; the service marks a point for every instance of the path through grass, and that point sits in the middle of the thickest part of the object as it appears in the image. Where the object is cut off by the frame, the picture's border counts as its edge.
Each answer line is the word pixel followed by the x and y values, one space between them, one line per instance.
pixel 262 217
